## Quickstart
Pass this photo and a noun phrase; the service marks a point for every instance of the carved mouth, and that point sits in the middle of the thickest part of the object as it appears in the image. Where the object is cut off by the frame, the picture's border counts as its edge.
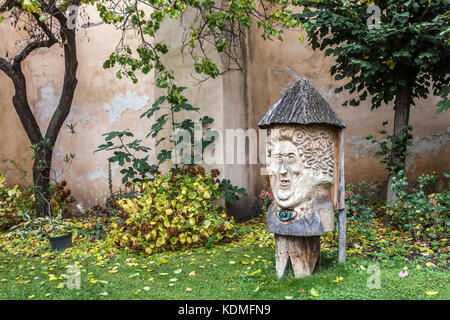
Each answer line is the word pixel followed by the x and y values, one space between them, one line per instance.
pixel 285 182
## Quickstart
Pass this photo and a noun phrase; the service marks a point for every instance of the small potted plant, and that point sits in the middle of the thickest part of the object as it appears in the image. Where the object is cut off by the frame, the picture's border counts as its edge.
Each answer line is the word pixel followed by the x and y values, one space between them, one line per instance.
pixel 59 237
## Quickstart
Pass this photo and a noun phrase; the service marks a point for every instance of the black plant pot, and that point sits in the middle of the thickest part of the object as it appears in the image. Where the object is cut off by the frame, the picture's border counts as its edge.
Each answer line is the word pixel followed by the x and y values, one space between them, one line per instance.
pixel 61 242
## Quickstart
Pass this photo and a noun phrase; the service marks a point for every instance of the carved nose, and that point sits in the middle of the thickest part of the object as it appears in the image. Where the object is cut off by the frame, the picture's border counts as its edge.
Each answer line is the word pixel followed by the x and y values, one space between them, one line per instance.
pixel 283 169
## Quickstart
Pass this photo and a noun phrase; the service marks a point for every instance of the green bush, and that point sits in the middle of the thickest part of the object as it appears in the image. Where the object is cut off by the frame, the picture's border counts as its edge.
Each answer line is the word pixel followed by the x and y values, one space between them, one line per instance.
pixel 359 203
pixel 426 216
pixel 173 211
pixel 17 205
pixel 14 202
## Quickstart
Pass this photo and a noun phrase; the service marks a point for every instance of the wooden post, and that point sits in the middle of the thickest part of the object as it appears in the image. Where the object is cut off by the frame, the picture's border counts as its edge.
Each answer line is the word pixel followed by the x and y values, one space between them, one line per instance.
pixel 342 235
pixel 341 200
pixel 300 253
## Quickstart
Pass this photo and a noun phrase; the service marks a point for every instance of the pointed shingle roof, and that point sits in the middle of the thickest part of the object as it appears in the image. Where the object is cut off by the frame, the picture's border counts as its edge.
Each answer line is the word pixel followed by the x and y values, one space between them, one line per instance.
pixel 301 104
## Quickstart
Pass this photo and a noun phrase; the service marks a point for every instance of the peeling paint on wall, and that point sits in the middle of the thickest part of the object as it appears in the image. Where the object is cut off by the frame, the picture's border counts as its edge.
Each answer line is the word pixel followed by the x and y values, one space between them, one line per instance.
pixel 361 147
pixel 425 147
pixel 120 103
pixel 79 116
pixel 47 104
pixel 97 173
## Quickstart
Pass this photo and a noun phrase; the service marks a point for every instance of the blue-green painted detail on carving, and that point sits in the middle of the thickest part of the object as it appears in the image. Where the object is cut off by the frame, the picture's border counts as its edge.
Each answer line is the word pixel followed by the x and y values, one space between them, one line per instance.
pixel 285 215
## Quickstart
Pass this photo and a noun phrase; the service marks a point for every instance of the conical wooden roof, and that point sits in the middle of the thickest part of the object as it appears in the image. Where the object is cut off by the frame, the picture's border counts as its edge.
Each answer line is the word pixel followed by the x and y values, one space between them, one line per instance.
pixel 302 104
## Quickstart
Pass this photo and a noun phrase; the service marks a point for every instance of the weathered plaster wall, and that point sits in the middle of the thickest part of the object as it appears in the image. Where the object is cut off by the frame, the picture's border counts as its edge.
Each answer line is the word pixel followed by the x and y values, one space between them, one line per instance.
pixel 103 103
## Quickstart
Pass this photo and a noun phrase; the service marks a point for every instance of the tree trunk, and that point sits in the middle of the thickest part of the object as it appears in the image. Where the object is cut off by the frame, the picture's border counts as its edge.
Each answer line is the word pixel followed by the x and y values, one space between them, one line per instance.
pixel 41 182
pixel 401 119
pixel 44 144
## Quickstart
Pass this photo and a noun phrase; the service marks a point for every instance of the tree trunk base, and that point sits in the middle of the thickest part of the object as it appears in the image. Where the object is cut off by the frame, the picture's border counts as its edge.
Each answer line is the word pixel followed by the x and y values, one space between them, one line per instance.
pixel 302 254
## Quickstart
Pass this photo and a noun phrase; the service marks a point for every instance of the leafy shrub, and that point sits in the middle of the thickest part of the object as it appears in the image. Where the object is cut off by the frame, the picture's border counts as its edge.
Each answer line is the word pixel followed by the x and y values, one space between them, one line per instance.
pixel 17 205
pixel 173 211
pixel 421 214
pixel 359 203
pixel 267 197
pixel 13 203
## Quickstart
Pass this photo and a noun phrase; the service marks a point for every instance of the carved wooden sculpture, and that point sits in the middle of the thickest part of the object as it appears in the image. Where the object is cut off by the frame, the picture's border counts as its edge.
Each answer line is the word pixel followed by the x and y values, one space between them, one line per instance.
pixel 304 156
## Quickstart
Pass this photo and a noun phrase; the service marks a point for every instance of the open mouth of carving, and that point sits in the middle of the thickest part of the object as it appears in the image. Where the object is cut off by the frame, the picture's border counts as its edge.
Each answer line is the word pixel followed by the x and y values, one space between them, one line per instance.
pixel 285 182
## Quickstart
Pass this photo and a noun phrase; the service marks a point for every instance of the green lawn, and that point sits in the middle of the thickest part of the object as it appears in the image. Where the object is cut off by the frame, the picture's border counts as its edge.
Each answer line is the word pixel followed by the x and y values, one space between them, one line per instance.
pixel 242 272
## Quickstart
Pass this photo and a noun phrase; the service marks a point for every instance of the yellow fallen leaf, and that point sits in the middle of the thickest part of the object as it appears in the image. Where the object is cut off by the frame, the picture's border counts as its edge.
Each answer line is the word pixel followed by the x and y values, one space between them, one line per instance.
pixel 31 297
pixel 146 288
pixel 430 264
pixel 188 289
pixel 338 279
pixel 314 292
pixel 431 293
pixel 192 274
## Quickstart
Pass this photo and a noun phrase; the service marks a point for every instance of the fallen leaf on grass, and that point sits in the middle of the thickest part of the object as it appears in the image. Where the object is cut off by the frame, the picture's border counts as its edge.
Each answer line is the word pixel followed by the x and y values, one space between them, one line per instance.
pixel 192 274
pixel 178 271
pixel 188 289
pixel 104 293
pixel 338 279
pixel 431 293
pixel 146 288
pixel 314 292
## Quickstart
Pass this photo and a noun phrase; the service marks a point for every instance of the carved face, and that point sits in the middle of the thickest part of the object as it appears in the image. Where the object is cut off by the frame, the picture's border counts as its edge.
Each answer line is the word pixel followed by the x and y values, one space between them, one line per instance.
pixel 286 169
pixel 300 163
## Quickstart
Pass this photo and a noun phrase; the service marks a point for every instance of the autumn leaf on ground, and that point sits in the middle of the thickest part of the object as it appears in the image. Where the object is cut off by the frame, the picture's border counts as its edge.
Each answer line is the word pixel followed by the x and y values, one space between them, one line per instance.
pixel 314 292
pixel 188 289
pixel 192 274
pixel 178 271
pixel 431 293
pixel 338 279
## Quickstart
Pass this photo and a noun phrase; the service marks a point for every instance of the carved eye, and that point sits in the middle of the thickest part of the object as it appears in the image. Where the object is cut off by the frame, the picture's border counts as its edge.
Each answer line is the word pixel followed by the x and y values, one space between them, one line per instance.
pixel 291 157
pixel 278 158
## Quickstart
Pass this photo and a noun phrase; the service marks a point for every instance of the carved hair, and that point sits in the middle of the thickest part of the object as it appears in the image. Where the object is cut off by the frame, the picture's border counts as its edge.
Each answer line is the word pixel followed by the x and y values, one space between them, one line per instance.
pixel 314 144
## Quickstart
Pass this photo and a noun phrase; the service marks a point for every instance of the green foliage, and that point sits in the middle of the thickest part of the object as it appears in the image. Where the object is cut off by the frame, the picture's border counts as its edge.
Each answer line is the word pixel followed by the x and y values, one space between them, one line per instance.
pixel 267 197
pixel 127 153
pixel 359 203
pixel 14 202
pixel 444 104
pixel 425 216
pixel 229 191
pixel 17 207
pixel 409 49
pixel 173 211
pixel 393 149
